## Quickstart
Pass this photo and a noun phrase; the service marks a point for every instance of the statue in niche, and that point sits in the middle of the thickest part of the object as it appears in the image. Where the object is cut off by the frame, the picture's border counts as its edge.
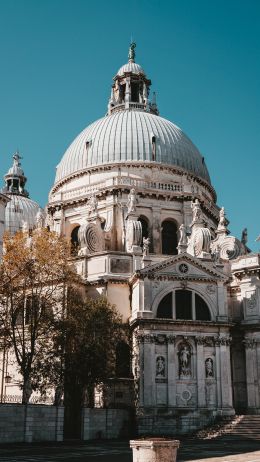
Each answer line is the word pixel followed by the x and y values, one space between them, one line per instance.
pixel 146 243
pixel 209 368
pixel 131 202
pixel 196 211
pixel 160 366
pixel 185 361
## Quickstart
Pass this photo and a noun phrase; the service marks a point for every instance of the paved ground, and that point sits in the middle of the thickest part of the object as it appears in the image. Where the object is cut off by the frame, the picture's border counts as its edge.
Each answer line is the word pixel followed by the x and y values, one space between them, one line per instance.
pixel 222 450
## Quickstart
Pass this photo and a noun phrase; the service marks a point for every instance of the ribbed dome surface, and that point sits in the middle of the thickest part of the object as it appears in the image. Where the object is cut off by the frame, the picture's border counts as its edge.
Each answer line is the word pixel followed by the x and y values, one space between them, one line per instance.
pixel 131 67
pixel 127 136
pixel 18 210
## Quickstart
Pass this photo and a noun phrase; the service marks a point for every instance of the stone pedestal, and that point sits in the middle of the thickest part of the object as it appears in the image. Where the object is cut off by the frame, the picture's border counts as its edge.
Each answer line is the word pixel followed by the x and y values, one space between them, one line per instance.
pixel 154 450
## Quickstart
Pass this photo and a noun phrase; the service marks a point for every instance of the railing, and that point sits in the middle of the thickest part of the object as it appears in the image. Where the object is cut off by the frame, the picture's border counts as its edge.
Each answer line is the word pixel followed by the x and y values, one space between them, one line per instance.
pixel 117 181
pixel 5 399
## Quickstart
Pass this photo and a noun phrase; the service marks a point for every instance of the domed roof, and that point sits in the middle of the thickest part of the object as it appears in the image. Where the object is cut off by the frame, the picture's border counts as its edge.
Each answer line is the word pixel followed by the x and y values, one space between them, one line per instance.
pixel 130 67
pixel 130 136
pixel 18 210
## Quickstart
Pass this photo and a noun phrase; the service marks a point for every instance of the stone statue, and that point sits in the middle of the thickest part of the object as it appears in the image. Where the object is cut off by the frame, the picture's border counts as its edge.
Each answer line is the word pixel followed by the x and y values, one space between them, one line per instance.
pixel 131 202
pixel 25 227
pixel 184 361
pixel 222 217
pixel 40 219
pixel 244 236
pixel 209 368
pixel 216 254
pixel 131 53
pixel 146 243
pixel 196 211
pixel 160 366
pixel 93 204
pixel 183 236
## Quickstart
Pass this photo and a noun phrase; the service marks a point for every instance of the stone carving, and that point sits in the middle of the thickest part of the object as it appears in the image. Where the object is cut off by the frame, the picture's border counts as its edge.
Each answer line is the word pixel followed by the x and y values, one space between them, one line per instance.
pixel 230 248
pixel 196 211
pixel 40 219
pixel 184 361
pixel 211 289
pixel 222 340
pixel 199 243
pixel 205 340
pixel 146 243
pixel 91 238
pixel 93 205
pixel 249 343
pixel 133 236
pixel 251 301
pixel 131 202
pixel 160 366
pixel 222 225
pixel 183 241
pixel 186 396
pixel 171 339
pixel 209 371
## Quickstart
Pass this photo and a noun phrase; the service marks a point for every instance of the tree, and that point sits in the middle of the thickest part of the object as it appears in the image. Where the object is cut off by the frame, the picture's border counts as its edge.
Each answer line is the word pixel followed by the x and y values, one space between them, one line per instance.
pixel 34 276
pixel 93 329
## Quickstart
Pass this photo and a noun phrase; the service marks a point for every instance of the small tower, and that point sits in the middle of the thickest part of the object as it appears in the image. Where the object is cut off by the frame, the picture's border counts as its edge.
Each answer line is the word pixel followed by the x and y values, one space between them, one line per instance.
pixel 131 87
pixel 20 210
pixel 15 179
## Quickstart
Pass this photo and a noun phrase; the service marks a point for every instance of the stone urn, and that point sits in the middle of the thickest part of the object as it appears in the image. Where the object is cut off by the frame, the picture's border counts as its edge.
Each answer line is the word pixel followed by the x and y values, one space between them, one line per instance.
pixel 154 450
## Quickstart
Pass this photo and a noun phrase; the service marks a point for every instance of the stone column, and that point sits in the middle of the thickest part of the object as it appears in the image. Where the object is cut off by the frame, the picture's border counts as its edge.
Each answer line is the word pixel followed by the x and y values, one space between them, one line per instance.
pixel 251 372
pixel 149 370
pixel 222 302
pixel 225 370
pixel 218 374
pixel 172 369
pixel 154 450
pixel 201 372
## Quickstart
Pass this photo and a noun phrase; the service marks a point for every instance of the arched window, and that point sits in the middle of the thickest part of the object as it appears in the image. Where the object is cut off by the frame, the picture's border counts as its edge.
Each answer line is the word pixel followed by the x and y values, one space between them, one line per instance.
pixel 202 312
pixel 123 360
pixel 164 309
pixel 183 304
pixel 74 240
pixel 145 226
pixel 169 238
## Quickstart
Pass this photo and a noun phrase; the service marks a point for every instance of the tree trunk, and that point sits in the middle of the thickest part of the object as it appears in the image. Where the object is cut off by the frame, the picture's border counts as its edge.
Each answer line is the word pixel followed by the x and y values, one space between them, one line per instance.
pixel 27 390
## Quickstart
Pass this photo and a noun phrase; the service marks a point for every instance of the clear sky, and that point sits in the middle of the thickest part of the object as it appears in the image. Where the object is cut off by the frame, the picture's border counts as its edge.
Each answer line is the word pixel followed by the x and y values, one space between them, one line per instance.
pixel 203 56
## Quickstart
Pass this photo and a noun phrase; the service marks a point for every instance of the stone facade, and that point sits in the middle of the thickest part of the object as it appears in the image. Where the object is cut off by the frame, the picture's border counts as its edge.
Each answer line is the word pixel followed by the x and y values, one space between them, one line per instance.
pixel 134 197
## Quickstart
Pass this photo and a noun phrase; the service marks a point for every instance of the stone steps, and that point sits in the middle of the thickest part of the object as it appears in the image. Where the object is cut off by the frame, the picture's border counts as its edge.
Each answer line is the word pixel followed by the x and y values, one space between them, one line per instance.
pixel 240 427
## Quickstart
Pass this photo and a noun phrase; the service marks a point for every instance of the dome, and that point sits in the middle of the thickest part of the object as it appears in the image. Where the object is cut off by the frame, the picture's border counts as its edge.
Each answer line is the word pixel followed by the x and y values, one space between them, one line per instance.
pixel 129 136
pixel 130 67
pixel 18 210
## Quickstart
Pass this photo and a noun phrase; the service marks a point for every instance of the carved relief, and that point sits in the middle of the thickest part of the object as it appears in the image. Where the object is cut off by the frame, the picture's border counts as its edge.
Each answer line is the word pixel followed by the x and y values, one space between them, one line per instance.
pixel 249 343
pixel 91 238
pixel 133 235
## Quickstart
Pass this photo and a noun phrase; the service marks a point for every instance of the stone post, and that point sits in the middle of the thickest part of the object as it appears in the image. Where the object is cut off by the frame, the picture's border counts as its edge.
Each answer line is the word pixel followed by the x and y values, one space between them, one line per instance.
pixel 251 373
pixel 154 450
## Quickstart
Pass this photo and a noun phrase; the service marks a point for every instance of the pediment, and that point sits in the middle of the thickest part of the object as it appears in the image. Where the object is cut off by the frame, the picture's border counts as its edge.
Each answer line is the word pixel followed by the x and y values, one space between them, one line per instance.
pixel 183 266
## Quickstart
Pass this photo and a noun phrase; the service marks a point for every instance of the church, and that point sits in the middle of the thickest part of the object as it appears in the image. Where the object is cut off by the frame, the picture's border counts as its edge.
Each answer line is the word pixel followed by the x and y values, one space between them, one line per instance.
pixel 133 195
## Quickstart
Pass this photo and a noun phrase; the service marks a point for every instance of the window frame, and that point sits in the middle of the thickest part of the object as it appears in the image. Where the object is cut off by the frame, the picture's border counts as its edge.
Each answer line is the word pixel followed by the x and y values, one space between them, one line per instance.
pixel 193 306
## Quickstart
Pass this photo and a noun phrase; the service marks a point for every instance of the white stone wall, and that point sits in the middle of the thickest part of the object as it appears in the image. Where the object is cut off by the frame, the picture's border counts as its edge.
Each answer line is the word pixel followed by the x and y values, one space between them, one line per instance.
pixel 105 423
pixel 31 423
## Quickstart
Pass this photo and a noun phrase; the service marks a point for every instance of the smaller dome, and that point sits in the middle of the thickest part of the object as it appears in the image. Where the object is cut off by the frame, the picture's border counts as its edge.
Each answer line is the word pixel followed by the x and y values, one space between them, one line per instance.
pixel 18 210
pixel 130 67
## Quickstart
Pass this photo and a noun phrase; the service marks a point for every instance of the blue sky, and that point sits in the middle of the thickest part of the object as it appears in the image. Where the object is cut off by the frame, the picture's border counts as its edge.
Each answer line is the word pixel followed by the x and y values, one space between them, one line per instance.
pixel 58 58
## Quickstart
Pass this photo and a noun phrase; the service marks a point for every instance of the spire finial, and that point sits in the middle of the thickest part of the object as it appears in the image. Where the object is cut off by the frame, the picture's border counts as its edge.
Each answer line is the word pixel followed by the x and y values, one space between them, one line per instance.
pixel 131 53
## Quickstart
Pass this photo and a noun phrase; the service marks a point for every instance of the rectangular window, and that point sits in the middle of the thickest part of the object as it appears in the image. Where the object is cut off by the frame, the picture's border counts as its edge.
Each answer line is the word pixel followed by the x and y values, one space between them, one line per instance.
pixel 183 304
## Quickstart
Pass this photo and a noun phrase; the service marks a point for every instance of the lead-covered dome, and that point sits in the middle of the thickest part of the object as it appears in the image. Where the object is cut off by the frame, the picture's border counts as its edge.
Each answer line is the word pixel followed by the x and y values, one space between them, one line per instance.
pixel 20 210
pixel 132 135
